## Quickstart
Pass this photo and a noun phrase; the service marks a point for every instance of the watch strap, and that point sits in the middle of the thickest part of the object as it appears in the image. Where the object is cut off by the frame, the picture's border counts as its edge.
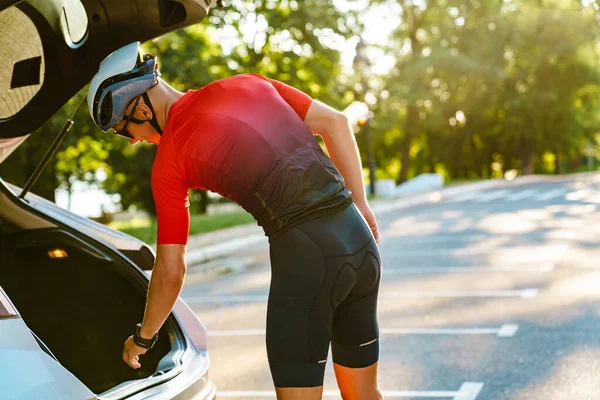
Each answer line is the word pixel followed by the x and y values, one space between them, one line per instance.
pixel 142 342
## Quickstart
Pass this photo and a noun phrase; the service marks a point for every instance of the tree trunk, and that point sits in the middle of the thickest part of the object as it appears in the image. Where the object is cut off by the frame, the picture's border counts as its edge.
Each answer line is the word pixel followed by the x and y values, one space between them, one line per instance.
pixel 431 165
pixel 526 163
pixel 412 112
pixel 526 158
pixel 203 202
pixel 409 126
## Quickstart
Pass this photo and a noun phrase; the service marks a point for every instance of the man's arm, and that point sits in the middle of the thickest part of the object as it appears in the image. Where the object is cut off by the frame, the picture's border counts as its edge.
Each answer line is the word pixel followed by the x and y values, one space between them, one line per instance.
pixel 165 285
pixel 334 128
pixel 166 282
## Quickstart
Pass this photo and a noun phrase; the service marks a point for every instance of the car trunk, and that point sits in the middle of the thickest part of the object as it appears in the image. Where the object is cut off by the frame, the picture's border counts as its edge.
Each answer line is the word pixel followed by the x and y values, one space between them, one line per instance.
pixel 82 307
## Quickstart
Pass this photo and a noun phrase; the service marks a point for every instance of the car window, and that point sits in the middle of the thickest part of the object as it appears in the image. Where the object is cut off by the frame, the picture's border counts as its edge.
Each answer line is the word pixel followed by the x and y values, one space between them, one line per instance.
pixel 77 20
pixel 21 61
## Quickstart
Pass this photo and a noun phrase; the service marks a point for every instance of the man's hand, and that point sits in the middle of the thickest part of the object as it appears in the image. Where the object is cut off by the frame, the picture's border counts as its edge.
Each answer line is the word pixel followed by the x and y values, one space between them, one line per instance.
pixel 132 352
pixel 365 210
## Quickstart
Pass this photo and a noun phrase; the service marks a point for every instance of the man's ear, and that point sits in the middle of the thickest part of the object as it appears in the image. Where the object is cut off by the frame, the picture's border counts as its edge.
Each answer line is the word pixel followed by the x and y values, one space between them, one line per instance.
pixel 144 111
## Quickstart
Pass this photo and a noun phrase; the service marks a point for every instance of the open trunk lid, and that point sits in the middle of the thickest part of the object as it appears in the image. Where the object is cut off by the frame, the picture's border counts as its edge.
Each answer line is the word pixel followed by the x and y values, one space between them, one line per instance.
pixel 50 49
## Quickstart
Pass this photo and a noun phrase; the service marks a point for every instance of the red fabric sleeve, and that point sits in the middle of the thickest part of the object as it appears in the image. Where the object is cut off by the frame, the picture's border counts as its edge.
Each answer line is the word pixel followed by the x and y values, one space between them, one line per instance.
pixel 172 207
pixel 299 101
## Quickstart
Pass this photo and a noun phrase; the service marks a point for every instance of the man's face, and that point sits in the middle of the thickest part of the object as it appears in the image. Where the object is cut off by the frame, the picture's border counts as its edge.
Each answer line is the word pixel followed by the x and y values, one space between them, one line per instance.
pixel 144 132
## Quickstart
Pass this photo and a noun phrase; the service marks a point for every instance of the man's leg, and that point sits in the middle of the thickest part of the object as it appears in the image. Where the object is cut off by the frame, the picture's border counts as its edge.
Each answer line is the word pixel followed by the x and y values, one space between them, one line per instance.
pixel 299 317
pixel 355 341
pixel 358 383
pixel 313 393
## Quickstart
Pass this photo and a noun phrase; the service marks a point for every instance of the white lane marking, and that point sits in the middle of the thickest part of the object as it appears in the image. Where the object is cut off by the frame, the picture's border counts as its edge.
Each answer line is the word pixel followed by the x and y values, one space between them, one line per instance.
pixel 520 195
pixel 579 194
pixel 239 332
pixel 547 250
pixel 565 235
pixel 401 240
pixel 493 195
pixel 529 293
pixel 464 197
pixel 457 237
pixel 544 268
pixel 594 199
pixel 547 267
pixel 333 393
pixel 525 293
pixel 506 330
pixel 551 194
pixel 225 299
pixel 469 391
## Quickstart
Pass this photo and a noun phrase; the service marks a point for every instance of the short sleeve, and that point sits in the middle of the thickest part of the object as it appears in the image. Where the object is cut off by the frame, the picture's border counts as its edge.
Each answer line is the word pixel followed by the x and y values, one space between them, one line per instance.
pixel 297 99
pixel 172 205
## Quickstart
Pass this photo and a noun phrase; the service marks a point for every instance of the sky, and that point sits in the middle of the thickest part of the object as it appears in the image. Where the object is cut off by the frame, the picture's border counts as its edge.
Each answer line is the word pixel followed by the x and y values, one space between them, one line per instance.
pixel 380 20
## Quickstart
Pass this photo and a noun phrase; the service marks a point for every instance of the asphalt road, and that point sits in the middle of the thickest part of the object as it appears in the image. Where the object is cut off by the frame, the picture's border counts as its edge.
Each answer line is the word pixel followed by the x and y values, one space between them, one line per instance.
pixel 492 294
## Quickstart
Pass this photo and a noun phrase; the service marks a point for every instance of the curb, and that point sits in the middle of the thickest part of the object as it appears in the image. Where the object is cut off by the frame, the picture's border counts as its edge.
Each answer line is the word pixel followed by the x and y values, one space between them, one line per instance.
pixel 433 196
pixel 225 248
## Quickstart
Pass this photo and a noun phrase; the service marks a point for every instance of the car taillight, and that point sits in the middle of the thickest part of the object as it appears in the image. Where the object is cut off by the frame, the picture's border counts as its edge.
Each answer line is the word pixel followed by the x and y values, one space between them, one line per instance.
pixel 7 309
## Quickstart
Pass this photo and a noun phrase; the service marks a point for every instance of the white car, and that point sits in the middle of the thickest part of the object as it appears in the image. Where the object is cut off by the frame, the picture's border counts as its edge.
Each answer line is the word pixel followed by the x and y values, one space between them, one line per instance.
pixel 73 290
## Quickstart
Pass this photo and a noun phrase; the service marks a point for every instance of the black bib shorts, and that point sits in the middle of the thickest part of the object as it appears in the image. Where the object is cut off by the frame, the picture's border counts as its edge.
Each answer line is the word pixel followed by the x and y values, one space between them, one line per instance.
pixel 324 286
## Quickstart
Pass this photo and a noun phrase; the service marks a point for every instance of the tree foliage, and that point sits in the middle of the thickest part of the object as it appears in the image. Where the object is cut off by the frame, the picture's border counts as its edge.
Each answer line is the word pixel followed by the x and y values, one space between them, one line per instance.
pixel 482 87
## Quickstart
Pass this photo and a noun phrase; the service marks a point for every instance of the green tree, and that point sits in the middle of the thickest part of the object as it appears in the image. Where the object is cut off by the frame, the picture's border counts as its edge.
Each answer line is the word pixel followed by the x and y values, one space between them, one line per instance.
pixel 478 83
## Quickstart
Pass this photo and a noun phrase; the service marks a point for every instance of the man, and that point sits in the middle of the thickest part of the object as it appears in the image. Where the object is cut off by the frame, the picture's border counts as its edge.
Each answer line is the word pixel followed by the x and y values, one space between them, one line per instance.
pixel 249 138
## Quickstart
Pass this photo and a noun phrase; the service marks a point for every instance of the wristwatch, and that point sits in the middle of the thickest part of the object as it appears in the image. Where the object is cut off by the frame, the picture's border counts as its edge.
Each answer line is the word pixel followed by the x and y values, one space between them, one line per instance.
pixel 140 341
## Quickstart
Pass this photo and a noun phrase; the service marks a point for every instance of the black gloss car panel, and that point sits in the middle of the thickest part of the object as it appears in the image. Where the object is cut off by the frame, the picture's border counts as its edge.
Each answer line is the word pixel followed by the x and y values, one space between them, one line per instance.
pixel 58 67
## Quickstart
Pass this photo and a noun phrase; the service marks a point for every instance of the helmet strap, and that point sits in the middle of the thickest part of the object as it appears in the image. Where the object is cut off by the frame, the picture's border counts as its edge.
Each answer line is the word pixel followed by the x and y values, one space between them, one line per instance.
pixel 153 121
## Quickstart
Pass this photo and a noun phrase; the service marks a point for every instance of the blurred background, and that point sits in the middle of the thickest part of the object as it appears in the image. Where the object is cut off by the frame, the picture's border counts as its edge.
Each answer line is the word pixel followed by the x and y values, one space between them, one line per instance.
pixel 467 89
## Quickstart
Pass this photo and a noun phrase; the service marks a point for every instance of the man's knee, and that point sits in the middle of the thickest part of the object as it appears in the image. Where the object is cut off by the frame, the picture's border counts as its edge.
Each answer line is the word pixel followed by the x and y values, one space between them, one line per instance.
pixel 308 393
pixel 358 383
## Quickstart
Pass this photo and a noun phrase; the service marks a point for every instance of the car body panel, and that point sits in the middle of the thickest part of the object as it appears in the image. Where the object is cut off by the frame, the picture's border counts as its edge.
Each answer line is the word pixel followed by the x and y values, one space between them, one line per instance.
pixel 111 237
pixel 27 372
pixel 7 308
pixel 134 249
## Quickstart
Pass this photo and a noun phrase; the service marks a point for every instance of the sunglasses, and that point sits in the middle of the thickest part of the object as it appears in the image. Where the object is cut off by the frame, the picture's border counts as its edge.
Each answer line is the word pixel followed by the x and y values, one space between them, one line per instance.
pixel 129 118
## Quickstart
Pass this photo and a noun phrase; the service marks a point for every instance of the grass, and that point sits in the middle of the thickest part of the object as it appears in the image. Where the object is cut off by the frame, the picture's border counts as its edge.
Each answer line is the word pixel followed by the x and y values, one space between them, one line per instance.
pixel 145 229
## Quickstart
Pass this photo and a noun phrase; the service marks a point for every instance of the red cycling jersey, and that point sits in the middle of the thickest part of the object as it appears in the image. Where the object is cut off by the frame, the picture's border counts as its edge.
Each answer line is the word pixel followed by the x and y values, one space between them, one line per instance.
pixel 244 138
